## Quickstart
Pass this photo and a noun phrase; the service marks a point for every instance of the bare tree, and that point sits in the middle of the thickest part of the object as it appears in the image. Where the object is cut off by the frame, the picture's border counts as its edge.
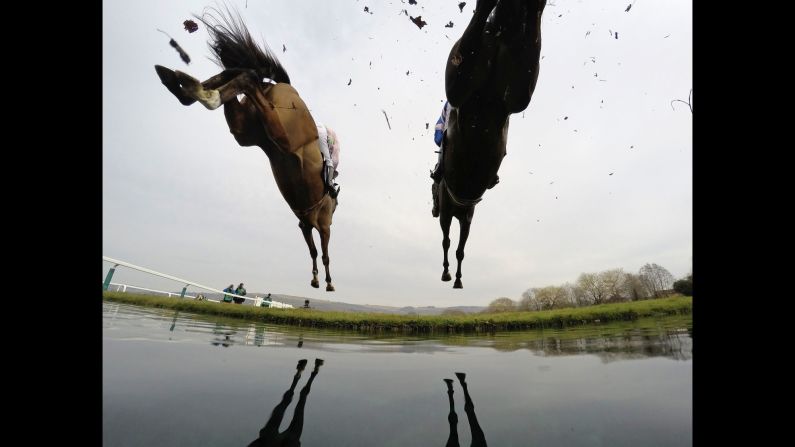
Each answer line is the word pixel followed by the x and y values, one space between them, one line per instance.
pixel 613 283
pixel 551 297
pixel 578 295
pixel 592 287
pixel 656 279
pixel 501 305
pixel 528 301
pixel 572 294
pixel 633 288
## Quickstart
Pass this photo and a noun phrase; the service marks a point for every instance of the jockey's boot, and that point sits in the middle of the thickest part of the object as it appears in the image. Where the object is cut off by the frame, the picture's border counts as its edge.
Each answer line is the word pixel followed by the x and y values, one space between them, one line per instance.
pixel 436 174
pixel 333 188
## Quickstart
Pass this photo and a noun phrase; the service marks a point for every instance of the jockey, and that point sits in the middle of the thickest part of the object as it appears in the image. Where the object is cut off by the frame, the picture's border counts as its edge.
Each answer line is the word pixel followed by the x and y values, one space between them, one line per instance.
pixel 330 148
pixel 438 138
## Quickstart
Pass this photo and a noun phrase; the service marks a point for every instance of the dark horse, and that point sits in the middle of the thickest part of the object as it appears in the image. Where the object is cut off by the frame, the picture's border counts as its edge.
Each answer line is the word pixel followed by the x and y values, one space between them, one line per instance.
pixel 491 73
pixel 271 115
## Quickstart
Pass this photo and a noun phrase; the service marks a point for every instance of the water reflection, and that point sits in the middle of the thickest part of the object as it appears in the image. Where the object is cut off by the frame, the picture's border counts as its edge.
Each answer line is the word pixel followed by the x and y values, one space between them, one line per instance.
pixel 174 322
pixel 269 436
pixel 222 336
pixel 670 337
pixel 478 438
pixel 384 389
pixel 633 344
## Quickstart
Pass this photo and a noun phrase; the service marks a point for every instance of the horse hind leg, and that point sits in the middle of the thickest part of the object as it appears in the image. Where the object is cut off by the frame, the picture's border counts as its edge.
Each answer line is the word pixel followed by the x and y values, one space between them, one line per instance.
pixel 462 241
pixel 170 79
pixel 310 242
pixel 522 54
pixel 466 69
pixel 211 97
pixel 244 125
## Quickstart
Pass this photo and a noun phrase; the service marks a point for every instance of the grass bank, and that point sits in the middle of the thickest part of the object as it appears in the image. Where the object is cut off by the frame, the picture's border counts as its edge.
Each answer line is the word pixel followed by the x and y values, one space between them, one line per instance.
pixel 406 323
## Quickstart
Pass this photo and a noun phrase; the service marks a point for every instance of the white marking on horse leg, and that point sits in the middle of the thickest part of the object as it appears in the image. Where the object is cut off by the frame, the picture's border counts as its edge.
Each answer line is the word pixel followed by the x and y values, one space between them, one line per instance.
pixel 210 99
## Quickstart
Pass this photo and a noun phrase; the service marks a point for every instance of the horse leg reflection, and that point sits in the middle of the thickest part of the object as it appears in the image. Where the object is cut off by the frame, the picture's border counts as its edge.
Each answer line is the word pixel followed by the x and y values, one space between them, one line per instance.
pixel 452 418
pixel 270 432
pixel 292 435
pixel 478 438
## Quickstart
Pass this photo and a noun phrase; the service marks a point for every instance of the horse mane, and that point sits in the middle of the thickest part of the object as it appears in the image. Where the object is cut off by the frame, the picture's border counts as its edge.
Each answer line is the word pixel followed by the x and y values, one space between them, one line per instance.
pixel 233 47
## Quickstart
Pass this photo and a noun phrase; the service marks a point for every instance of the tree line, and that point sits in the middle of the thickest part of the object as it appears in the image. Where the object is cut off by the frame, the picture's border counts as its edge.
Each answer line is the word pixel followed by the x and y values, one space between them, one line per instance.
pixel 609 286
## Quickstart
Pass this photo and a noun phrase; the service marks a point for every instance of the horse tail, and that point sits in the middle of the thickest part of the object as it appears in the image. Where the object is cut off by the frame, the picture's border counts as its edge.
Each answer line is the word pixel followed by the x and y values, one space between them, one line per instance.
pixel 232 46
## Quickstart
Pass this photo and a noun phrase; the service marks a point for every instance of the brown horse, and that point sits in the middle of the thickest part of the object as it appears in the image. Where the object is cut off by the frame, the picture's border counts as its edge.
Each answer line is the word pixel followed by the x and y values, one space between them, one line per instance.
pixel 491 73
pixel 270 115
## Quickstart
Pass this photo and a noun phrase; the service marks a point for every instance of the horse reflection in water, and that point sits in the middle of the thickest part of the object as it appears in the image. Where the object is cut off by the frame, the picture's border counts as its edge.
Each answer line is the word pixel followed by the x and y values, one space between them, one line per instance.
pixel 478 438
pixel 269 435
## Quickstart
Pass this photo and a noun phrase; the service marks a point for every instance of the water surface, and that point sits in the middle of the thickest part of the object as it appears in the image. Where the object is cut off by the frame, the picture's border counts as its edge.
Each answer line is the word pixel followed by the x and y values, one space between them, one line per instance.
pixel 173 379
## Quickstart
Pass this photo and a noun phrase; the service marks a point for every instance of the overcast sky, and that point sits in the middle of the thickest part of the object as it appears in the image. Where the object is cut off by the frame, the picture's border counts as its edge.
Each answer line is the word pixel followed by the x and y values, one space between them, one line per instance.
pixel 608 187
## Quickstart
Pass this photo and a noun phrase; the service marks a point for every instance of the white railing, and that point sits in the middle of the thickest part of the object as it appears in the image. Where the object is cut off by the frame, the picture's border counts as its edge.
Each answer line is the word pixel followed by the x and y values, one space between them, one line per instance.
pixel 124 287
pixel 257 300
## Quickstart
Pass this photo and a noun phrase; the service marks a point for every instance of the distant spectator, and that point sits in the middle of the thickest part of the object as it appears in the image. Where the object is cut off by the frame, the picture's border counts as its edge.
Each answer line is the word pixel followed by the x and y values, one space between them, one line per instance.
pixel 228 298
pixel 266 302
pixel 306 304
pixel 239 291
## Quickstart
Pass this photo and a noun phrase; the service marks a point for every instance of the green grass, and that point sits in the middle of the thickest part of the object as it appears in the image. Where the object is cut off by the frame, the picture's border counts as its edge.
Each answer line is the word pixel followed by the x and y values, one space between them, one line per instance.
pixel 407 323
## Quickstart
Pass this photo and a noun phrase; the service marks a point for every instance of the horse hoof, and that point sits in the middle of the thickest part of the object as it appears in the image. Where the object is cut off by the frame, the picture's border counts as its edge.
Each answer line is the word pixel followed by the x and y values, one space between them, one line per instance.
pixel 446 276
pixel 188 82
pixel 329 288
pixel 315 283
pixel 166 75
pixel 458 284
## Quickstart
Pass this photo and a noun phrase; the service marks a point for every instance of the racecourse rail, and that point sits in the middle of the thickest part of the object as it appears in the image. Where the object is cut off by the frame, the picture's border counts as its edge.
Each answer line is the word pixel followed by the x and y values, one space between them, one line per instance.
pixel 123 287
